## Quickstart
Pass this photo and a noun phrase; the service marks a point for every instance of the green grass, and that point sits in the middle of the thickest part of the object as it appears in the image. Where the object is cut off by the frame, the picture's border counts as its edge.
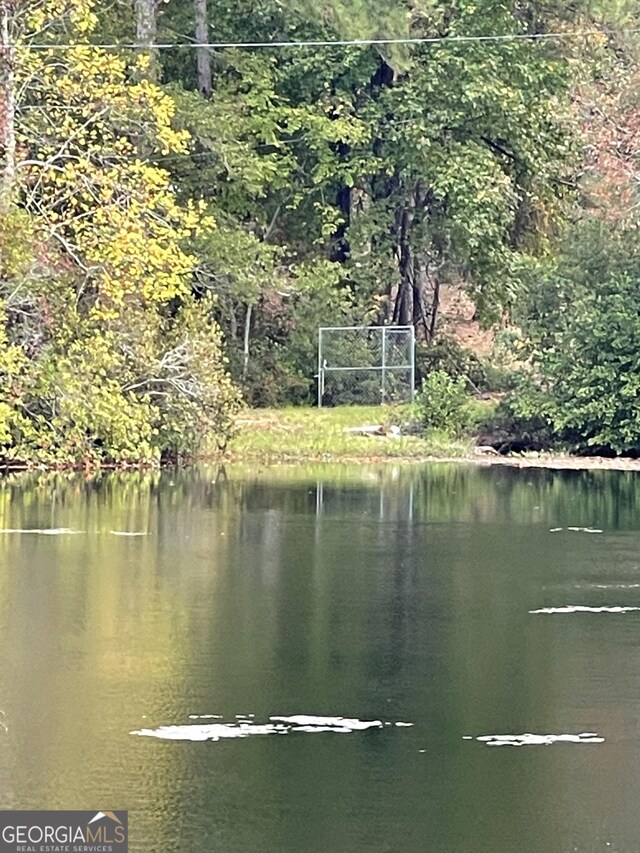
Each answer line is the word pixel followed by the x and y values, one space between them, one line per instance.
pixel 319 434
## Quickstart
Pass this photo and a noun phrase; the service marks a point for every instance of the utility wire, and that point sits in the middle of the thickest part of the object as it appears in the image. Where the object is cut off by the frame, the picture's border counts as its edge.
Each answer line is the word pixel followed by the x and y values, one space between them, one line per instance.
pixel 432 40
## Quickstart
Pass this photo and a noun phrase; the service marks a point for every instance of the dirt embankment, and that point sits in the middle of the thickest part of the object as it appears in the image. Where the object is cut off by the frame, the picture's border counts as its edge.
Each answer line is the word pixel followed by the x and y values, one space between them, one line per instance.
pixel 560 462
pixel 457 319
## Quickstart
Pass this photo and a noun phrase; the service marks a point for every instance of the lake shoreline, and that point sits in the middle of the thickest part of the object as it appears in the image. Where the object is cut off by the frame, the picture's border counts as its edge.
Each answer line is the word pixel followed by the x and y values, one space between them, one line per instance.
pixel 549 461
pixel 293 436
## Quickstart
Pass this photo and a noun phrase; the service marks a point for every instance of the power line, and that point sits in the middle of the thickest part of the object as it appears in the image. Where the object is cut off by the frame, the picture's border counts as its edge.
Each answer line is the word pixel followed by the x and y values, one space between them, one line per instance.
pixel 247 45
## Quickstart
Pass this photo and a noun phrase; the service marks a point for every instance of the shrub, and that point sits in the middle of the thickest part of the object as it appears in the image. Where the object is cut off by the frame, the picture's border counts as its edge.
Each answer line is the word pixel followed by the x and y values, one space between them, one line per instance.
pixel 143 388
pixel 441 403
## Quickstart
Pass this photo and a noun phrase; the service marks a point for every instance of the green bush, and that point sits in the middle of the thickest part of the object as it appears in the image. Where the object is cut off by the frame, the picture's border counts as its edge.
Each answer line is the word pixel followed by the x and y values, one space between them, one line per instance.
pixel 441 403
pixel 582 337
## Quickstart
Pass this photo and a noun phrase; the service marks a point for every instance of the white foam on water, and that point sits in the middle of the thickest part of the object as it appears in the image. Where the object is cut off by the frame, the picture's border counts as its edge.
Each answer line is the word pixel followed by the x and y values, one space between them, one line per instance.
pixel 400 725
pixel 529 739
pixel 243 728
pixel 209 731
pixel 350 723
pixel 41 531
pixel 128 532
pixel 583 608
pixel 585 529
pixel 205 716
pixel 340 729
pixel 576 529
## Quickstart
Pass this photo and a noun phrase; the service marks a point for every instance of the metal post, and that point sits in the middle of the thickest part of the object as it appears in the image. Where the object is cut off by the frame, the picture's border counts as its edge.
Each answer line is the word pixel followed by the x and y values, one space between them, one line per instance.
pixel 384 364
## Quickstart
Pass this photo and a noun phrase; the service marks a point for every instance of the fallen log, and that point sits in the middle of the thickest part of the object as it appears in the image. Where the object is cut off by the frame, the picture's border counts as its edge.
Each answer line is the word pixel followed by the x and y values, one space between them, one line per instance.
pixel 375 429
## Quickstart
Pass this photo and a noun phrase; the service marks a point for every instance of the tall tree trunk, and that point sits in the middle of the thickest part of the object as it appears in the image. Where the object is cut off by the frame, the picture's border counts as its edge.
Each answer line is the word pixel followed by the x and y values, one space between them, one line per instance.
pixel 203 54
pixel 403 308
pixel 421 275
pixel 426 300
pixel 147 32
pixel 434 281
pixel 7 110
pixel 417 298
pixel 245 349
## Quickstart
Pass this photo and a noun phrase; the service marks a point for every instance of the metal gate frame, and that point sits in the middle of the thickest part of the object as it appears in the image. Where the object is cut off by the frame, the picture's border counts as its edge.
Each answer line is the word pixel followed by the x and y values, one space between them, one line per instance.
pixel 383 367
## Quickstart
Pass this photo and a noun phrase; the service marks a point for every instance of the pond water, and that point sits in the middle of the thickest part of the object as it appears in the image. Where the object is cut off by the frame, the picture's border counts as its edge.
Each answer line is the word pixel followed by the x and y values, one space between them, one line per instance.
pixel 383 595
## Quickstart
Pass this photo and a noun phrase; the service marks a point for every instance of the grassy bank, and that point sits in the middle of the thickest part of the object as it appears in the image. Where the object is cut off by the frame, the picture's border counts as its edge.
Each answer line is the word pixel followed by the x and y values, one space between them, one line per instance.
pixel 322 435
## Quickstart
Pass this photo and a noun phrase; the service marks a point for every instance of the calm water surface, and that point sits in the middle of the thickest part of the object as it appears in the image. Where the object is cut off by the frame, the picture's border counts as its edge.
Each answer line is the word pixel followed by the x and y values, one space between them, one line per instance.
pixel 391 594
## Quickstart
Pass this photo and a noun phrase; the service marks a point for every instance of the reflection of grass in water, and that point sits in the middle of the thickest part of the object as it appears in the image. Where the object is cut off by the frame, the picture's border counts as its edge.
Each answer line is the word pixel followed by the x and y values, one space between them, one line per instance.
pixel 306 446
pixel 128 501
pixel 297 433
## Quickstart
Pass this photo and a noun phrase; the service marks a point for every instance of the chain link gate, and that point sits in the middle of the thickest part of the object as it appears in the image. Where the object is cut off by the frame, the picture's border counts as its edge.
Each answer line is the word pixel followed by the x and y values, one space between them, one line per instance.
pixel 365 365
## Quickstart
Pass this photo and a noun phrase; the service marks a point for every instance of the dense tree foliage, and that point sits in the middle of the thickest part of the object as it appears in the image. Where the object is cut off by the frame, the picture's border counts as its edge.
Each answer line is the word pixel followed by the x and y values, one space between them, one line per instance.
pixel 579 322
pixel 582 336
pixel 383 172
pixel 105 354
pixel 177 221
